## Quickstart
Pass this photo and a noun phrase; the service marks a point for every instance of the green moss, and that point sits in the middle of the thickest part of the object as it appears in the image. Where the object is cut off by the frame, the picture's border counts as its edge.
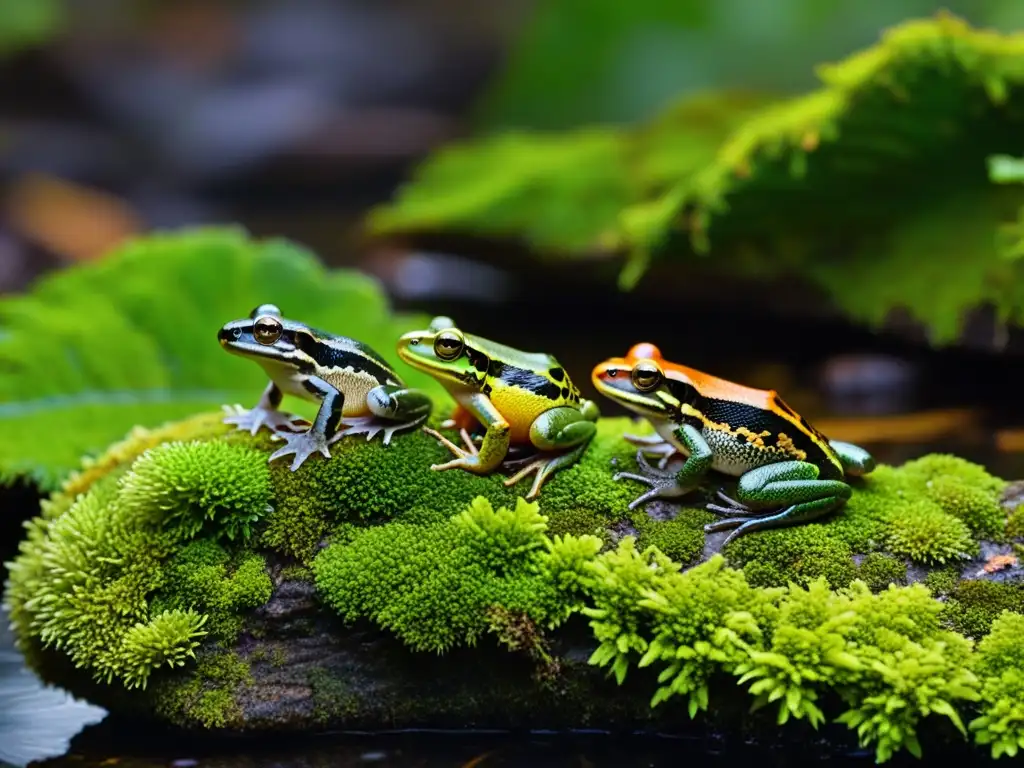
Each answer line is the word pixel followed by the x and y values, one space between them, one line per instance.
pixel 792 623
pixel 579 522
pixel 332 699
pixel 977 507
pixel 433 584
pixel 942 581
pixel 927 534
pixel 681 538
pixel 204 575
pixel 1000 663
pixel 296 573
pixel 925 510
pixel 878 571
pixel 209 695
pixel 1015 523
pixel 973 605
pixel 92 576
pixel 801 555
pixel 211 487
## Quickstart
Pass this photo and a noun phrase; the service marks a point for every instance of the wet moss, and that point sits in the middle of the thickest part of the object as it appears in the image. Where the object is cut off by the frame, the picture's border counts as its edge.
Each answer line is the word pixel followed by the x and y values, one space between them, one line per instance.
pixel 681 538
pixel 333 700
pixel 972 606
pixel 209 695
pixel 878 571
pixel 774 558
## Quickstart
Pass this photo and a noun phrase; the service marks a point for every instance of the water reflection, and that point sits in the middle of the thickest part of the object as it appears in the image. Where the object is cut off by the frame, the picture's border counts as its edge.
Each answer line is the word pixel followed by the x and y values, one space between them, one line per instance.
pixel 436 750
pixel 35 721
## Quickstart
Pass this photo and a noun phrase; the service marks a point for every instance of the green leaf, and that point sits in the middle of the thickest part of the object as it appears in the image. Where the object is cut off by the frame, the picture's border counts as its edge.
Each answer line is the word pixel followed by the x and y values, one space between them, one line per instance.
pixel 872 188
pixel 94 350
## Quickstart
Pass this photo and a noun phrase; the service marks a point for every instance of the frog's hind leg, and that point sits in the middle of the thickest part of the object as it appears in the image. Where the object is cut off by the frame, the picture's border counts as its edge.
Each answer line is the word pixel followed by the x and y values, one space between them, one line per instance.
pixel 393 409
pixel 855 460
pixel 558 428
pixel 792 485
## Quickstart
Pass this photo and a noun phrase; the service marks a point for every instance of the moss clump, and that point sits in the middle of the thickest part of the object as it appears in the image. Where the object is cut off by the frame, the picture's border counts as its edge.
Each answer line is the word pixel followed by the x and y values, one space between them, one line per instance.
pixel 135 573
pixel 1000 663
pixel 209 695
pixel 213 486
pixel 943 581
pixel 580 523
pixel 886 656
pixel 977 507
pixel 681 538
pixel 929 535
pixel 800 555
pixel 972 606
pixel 203 575
pixel 1015 523
pixel 878 571
pixel 433 585
pixel 929 510
pixel 87 579
pixel 332 699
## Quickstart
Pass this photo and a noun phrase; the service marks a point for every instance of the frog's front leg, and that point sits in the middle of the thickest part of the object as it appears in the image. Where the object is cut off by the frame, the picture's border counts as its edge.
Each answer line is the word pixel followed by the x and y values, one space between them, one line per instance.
pixel 492 449
pixel 264 413
pixel 558 429
pixel 324 427
pixel 393 409
pixel 778 495
pixel 665 485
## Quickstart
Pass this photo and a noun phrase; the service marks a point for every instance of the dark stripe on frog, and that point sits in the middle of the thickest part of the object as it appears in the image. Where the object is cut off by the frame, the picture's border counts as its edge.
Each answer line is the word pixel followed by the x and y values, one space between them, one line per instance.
pixel 522 378
pixel 358 357
pixel 760 420
pixel 557 374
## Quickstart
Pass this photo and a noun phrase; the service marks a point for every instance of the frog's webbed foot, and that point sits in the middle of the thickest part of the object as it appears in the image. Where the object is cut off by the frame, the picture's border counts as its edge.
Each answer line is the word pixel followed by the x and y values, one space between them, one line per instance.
pixel 653 445
pixel 663 484
pixel 372 426
pixel 544 466
pixel 302 444
pixel 254 418
pixel 463 456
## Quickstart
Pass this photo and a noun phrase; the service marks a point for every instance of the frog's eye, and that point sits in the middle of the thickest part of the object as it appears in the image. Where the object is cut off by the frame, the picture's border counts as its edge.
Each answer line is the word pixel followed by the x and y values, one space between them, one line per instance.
pixel 448 345
pixel 646 375
pixel 266 329
pixel 265 309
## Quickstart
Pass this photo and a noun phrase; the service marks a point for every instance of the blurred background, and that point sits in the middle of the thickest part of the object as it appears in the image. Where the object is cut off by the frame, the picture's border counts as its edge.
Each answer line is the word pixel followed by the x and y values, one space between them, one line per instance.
pixel 295 118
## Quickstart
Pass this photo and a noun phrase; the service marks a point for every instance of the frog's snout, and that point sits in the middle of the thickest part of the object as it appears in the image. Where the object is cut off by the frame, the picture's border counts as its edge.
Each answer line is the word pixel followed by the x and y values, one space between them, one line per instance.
pixel 227 335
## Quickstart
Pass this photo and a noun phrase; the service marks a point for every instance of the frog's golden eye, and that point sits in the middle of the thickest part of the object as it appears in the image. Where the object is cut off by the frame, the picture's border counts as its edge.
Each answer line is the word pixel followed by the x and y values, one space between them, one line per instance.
pixel 267 329
pixel 646 375
pixel 448 345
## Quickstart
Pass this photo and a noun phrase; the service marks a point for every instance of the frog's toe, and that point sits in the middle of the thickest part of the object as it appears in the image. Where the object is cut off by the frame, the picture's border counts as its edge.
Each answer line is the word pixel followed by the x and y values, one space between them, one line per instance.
pixel 302 444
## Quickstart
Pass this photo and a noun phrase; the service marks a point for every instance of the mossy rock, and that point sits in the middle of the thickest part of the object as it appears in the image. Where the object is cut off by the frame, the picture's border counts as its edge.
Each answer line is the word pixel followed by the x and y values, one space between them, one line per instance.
pixel 183 577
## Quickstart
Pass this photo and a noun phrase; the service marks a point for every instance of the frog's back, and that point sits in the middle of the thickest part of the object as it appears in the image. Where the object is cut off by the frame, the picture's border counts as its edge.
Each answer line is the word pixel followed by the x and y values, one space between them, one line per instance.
pixel 343 353
pixel 522 385
pixel 748 427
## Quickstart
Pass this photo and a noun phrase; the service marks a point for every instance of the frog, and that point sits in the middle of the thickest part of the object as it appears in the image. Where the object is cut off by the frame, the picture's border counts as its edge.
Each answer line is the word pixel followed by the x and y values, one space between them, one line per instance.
pixel 525 401
pixel 788 472
pixel 359 392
